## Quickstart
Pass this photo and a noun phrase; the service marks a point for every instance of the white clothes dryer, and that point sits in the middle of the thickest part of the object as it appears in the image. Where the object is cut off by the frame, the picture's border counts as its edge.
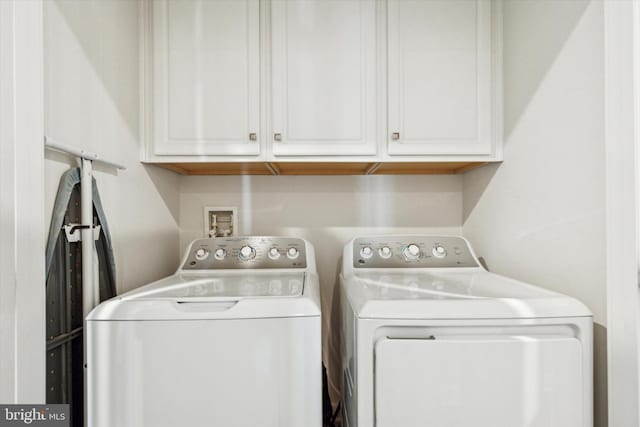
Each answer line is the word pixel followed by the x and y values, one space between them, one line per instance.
pixel 231 339
pixel 433 339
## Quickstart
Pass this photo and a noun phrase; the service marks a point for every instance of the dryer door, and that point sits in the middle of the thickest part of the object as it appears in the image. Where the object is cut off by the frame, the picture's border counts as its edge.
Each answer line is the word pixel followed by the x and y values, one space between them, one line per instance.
pixel 479 381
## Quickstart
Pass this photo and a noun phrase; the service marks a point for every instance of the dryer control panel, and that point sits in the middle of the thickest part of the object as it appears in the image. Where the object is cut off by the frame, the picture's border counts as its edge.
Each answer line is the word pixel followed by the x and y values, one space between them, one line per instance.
pixel 412 252
pixel 228 253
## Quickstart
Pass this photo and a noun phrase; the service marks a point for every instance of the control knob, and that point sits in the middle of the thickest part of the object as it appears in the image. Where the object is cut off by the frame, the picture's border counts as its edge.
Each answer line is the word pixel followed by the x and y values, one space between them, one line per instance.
pixel 385 252
pixel 202 254
pixel 366 252
pixel 274 253
pixel 220 254
pixel 411 252
pixel 293 253
pixel 439 251
pixel 247 253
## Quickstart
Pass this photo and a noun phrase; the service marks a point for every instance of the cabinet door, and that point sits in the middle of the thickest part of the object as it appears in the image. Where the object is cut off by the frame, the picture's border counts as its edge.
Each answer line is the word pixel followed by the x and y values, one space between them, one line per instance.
pixel 440 77
pixel 323 77
pixel 206 77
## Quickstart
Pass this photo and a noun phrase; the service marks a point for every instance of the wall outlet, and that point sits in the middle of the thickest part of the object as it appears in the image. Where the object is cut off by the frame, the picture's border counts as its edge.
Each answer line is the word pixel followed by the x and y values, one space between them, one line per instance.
pixel 220 222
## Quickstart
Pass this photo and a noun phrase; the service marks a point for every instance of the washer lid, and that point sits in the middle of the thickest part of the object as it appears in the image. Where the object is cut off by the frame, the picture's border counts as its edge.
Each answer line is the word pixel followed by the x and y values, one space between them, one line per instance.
pixel 454 294
pixel 220 286
pixel 232 295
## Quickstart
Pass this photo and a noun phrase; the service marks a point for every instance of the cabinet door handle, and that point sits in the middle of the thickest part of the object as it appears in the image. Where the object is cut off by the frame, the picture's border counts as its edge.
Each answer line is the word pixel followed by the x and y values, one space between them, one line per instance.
pixel 253 136
pixel 395 136
pixel 277 136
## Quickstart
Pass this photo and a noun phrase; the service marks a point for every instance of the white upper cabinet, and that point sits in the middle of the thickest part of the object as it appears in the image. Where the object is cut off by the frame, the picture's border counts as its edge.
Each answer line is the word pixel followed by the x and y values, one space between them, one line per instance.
pixel 441 78
pixel 323 77
pixel 368 81
pixel 205 96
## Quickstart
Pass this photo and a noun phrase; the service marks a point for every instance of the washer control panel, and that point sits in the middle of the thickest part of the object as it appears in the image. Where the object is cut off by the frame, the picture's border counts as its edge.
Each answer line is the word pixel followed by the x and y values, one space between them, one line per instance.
pixel 246 253
pixel 412 251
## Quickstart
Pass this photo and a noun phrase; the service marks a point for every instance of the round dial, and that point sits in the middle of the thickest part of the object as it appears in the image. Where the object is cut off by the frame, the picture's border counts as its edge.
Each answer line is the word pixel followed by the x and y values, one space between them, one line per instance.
pixel 385 252
pixel 274 253
pixel 293 253
pixel 202 254
pixel 247 253
pixel 219 254
pixel 439 251
pixel 366 252
pixel 411 251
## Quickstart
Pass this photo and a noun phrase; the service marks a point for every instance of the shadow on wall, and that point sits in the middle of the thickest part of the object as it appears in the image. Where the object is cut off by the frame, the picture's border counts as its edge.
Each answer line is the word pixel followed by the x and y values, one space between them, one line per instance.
pixel 531 49
pixel 92 23
pixel 165 182
pixel 474 188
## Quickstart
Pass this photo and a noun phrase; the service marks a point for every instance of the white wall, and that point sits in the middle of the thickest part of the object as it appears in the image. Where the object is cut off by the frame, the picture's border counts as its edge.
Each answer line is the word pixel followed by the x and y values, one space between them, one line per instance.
pixel 92 95
pixel 622 101
pixel 540 215
pixel 22 296
pixel 328 211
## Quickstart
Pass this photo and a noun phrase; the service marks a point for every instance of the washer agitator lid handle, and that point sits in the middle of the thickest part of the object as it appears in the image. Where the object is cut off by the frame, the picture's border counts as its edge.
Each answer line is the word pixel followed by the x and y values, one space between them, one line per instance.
pixel 204 306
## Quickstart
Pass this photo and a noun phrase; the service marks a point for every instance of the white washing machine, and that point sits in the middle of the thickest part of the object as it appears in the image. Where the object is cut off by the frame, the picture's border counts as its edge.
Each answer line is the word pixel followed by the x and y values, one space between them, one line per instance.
pixel 231 339
pixel 433 339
